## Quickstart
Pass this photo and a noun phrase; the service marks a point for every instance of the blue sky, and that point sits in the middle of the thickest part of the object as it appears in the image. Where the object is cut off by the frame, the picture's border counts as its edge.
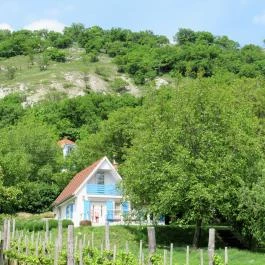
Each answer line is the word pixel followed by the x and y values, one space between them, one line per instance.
pixel 240 20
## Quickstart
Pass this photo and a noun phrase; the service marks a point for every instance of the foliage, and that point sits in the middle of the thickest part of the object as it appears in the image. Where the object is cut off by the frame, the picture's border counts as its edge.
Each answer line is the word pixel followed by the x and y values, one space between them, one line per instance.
pixel 198 146
pixel 119 85
pixel 38 224
pixel 218 260
pixel 56 55
pixel 11 70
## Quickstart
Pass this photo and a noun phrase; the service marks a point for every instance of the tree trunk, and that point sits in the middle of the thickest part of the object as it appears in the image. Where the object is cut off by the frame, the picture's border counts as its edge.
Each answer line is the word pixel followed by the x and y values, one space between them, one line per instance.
pixel 197 234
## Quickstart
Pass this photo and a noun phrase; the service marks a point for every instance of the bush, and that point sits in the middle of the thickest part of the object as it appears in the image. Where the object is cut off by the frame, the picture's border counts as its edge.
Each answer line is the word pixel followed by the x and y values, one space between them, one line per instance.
pixel 93 57
pixel 10 74
pixel 38 224
pixel 56 55
pixel 85 223
pixel 119 85
pixel 103 72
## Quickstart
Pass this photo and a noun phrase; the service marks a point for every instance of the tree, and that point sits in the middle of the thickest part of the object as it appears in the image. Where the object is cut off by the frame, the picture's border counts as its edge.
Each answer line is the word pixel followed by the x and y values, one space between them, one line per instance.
pixel 195 147
pixel 184 36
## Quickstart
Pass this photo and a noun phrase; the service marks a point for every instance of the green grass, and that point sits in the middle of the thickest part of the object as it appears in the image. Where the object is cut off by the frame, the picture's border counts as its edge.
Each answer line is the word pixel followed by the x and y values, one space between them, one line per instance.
pixel 32 75
pixel 164 235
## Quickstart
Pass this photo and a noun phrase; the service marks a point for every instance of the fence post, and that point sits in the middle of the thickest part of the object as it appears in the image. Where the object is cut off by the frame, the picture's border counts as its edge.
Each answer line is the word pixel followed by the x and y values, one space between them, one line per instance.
pixel 188 256
pixel 165 257
pixel 211 246
pixel 8 234
pixel 56 253
pixel 171 254
pixel 46 232
pixel 140 252
pixel 226 255
pixel 4 234
pixel 107 241
pixel 70 246
pixel 80 251
pixel 13 228
pixel 151 239
pixel 1 252
pixel 201 256
pixel 60 236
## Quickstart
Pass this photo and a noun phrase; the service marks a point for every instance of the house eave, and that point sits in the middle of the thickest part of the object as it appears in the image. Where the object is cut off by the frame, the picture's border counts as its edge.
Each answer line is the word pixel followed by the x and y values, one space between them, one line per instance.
pixel 63 201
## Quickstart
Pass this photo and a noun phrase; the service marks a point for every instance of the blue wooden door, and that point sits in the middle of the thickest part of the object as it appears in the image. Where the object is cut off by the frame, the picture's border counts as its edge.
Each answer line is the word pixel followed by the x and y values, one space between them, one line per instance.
pixel 86 210
pixel 110 210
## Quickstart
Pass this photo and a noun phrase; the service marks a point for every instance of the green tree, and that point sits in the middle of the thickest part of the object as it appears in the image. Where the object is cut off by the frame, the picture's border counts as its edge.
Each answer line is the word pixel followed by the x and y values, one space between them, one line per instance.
pixel 195 148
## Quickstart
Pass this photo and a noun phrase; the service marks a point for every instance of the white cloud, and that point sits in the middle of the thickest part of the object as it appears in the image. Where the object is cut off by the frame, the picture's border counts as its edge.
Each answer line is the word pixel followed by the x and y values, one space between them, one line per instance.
pixel 259 19
pixel 49 24
pixel 6 26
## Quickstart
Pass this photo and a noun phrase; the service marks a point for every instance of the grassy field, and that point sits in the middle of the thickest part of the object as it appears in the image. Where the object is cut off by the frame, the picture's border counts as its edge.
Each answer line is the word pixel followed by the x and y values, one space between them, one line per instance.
pixel 181 237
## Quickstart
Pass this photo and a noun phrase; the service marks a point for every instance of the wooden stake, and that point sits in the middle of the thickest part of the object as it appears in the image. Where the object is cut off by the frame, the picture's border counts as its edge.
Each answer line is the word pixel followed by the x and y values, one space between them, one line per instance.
pixel 107 241
pixel 188 256
pixel 201 256
pixel 226 255
pixel 171 254
pixel 37 246
pixel 1 252
pixel 80 252
pixel 165 257
pixel 13 228
pixel 46 232
pixel 56 253
pixel 60 236
pixel 70 246
pixel 151 240
pixel 140 252
pixel 4 234
pixel 211 246
pixel 8 235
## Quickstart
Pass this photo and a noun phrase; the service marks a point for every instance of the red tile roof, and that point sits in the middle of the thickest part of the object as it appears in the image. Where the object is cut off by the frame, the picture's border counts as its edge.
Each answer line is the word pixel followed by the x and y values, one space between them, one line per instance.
pixel 65 141
pixel 75 183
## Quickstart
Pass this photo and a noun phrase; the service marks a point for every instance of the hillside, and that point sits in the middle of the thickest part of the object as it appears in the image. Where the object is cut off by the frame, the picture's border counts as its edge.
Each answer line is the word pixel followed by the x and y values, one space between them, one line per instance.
pixel 75 77
pixel 48 65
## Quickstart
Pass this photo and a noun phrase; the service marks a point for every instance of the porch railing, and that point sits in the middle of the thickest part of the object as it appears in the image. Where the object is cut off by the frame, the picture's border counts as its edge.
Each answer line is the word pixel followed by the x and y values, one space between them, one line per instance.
pixel 100 189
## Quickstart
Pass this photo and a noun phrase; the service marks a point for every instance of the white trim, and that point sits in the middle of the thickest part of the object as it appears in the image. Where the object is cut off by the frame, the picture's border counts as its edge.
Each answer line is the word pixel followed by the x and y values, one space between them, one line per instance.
pixel 73 197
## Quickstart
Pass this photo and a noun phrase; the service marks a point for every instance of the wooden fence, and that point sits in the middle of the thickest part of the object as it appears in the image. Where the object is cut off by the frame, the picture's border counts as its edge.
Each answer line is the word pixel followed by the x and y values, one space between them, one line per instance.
pixel 15 244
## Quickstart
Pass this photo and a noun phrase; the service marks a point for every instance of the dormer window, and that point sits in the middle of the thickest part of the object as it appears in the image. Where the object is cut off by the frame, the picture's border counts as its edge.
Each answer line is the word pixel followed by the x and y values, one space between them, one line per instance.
pixel 100 178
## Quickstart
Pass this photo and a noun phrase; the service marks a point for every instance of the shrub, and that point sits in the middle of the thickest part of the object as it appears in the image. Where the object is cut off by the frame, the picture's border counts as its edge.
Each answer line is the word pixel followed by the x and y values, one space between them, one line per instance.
pixel 85 223
pixel 56 55
pixel 66 222
pixel 119 85
pixel 92 57
pixel 102 71
pixel 11 70
pixel 38 224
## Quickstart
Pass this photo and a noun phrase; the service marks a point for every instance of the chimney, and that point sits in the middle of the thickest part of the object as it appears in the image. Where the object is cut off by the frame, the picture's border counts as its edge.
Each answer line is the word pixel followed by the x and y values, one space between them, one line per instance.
pixel 115 164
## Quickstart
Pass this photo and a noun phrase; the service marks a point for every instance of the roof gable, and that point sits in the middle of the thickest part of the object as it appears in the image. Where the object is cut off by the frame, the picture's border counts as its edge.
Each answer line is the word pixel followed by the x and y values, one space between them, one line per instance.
pixel 75 182
pixel 64 142
pixel 80 178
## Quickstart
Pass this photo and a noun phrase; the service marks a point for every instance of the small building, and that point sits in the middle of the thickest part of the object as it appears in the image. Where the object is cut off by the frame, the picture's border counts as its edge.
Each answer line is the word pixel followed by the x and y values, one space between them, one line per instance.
pixel 67 146
pixel 93 194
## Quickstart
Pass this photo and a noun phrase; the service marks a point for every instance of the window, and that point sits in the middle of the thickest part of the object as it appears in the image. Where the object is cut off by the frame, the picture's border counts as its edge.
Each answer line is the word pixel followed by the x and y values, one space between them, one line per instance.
pixel 100 178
